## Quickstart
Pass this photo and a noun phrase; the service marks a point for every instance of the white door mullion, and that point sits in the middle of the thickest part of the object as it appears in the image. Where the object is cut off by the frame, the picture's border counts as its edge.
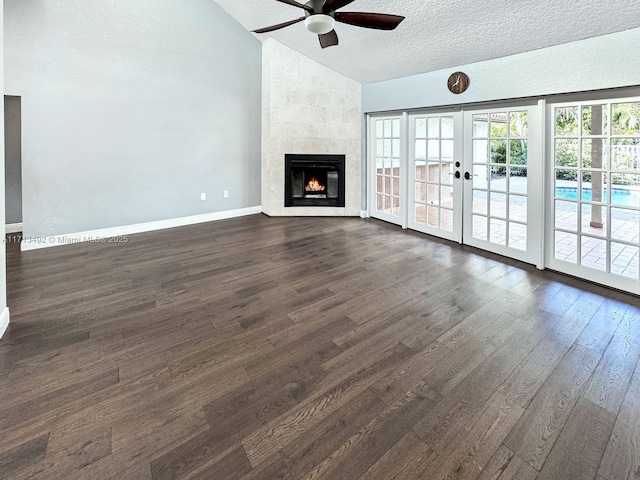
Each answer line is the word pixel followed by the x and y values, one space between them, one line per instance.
pixel 404 169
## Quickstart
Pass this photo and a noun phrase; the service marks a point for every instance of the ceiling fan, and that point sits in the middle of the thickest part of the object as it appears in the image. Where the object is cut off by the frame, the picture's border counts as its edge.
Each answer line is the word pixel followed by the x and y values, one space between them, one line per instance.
pixel 321 17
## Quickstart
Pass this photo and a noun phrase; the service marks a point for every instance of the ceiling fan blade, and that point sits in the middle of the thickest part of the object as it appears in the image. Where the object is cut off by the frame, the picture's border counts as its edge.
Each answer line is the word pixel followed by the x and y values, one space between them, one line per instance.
pixel 328 39
pixel 379 21
pixel 296 4
pixel 279 26
pixel 332 5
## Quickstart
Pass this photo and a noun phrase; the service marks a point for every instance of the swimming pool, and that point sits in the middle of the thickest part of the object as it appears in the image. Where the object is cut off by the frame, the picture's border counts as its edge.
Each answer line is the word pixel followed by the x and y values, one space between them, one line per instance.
pixel 620 196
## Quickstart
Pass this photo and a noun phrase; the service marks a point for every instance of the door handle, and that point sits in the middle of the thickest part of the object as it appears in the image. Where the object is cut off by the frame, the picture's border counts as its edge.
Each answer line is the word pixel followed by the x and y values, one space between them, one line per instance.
pixel 467 176
pixel 457 174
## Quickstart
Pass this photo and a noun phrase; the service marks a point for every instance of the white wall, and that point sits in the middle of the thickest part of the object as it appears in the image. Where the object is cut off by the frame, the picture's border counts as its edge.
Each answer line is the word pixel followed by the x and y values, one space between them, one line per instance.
pixel 4 311
pixel 307 109
pixel 131 110
pixel 603 62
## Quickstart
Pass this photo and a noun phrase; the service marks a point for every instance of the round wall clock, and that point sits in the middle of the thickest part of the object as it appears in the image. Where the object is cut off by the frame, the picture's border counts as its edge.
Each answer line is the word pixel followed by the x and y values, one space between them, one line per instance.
pixel 458 82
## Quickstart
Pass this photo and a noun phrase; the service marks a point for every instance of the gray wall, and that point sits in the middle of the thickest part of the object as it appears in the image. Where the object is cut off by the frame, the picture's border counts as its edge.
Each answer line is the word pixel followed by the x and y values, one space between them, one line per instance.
pixel 13 160
pixel 131 110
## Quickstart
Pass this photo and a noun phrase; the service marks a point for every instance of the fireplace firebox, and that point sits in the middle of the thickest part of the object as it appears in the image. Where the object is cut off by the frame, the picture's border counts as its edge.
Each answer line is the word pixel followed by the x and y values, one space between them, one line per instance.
pixel 314 180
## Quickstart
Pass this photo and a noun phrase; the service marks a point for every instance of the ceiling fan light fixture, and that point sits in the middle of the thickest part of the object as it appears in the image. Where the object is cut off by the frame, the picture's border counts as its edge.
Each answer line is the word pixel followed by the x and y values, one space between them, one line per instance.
pixel 320 23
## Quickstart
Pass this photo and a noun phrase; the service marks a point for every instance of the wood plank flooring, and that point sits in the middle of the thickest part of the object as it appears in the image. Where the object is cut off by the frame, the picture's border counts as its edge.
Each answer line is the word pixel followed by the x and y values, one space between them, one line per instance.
pixel 312 348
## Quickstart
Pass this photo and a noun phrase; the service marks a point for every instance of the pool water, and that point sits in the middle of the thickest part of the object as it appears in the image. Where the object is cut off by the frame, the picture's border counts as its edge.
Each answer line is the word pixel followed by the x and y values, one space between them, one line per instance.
pixel 620 196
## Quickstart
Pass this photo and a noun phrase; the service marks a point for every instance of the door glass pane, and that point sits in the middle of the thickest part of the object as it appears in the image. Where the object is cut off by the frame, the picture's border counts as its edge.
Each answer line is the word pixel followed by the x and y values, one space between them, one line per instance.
pixel 480 227
pixel 498 205
pixel 421 150
pixel 499 151
pixel 518 236
pixel 446 147
pixel 498 180
pixel 518 125
pixel 567 153
pixel 567 123
pixel 566 247
pixel 446 219
pixel 421 128
pixel 594 220
pixel 625 190
pixel 433 150
pixel 433 216
pixel 433 194
pixel 518 180
pixel 396 128
pixel 499 125
pixel 480 175
pixel 518 208
pixel 420 213
pixel 433 125
pixel 595 119
pixel 480 204
pixel 447 127
pixel 447 173
pixel 566 215
pixel 481 126
pixel 421 168
pixel 387 128
pixel 518 152
pixel 421 192
pixel 497 231
pixel 480 151
pixel 625 154
pixel 624 260
pixel 625 225
pixel 396 148
pixel 594 253
pixel 595 154
pixel 625 120
pixel 446 197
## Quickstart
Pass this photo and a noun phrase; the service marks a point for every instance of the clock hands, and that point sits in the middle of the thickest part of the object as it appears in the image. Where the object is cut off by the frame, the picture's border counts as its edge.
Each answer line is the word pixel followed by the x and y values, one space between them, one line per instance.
pixel 457 82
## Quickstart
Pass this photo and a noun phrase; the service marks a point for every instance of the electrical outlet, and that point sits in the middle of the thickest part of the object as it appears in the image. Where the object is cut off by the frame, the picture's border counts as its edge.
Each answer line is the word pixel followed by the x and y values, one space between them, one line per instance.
pixel 203 197
pixel 226 194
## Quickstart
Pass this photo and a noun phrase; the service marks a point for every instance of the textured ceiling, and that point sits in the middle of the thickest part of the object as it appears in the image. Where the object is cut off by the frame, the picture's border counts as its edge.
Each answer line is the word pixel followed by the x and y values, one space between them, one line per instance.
pixel 440 34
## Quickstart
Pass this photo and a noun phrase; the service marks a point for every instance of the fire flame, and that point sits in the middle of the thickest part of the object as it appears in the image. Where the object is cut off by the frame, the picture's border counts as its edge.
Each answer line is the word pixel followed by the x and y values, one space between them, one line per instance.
pixel 314 186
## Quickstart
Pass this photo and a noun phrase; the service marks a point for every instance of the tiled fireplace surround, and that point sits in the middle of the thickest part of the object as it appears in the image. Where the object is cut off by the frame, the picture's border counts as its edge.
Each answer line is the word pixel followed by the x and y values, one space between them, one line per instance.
pixel 307 109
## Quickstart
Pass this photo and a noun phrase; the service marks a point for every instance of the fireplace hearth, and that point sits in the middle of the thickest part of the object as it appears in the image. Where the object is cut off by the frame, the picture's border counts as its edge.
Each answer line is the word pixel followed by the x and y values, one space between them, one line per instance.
pixel 314 180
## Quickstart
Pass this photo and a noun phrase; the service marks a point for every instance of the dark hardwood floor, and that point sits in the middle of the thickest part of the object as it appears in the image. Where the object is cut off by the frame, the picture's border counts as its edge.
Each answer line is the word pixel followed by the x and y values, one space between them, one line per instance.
pixel 309 348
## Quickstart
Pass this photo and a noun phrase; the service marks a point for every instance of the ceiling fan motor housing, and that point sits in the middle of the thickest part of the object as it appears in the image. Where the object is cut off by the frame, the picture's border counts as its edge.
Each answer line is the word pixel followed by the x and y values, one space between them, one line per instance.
pixel 320 23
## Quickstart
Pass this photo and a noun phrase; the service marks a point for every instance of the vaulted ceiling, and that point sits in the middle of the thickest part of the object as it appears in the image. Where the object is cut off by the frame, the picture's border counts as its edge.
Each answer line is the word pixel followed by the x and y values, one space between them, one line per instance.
pixel 440 34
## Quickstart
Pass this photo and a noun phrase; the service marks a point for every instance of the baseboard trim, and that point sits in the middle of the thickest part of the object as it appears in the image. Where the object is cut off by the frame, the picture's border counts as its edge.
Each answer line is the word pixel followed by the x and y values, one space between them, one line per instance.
pixel 4 321
pixel 28 244
pixel 364 214
pixel 13 228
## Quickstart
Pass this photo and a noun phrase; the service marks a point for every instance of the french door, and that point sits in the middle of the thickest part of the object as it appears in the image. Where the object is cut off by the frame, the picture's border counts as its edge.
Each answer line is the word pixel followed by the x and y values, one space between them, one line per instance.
pixel 435 155
pixel 475 177
pixel 387 197
pixel 594 191
pixel 503 182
